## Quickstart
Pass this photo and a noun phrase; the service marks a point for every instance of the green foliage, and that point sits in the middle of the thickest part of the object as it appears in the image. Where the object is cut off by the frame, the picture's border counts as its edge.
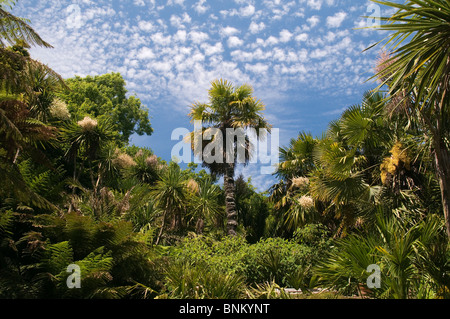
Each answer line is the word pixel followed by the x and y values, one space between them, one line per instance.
pixel 73 192
pixel 199 281
pixel 113 259
pixel 253 209
pixel 400 253
pixel 104 96
pixel 271 260
pixel 268 290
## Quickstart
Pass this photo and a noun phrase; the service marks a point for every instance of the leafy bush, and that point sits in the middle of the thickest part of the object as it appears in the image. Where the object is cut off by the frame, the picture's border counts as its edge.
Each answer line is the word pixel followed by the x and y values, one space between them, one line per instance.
pixel 199 281
pixel 413 260
pixel 274 259
pixel 270 260
pixel 115 262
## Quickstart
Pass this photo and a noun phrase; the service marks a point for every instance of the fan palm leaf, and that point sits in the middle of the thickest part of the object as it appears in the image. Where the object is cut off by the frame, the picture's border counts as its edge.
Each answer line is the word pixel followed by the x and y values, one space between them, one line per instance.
pixel 419 70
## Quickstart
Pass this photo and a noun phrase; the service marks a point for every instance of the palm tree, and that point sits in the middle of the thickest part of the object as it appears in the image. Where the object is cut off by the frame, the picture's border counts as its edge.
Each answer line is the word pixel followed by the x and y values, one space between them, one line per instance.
pixel 19 129
pixel 16 36
pixel 229 107
pixel 169 194
pixel 418 75
pixel 13 29
pixel 85 138
pixel 297 159
pixel 205 204
pixel 348 161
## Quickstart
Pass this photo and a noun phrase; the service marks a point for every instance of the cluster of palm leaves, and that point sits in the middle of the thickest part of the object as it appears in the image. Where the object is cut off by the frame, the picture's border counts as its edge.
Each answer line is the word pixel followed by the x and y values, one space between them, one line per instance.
pixel 340 172
pixel 379 174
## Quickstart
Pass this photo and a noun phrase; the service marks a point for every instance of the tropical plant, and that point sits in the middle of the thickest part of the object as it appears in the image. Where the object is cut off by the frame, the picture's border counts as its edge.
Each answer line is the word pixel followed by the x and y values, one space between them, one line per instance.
pixel 170 195
pixel 297 159
pixel 229 107
pixel 205 204
pixel 20 129
pixel 398 248
pixel 84 139
pixel 417 74
pixel 198 281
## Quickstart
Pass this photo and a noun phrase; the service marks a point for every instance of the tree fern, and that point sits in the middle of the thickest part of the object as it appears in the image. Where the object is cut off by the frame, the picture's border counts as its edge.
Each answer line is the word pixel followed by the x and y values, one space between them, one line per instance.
pixel 94 276
pixel 57 257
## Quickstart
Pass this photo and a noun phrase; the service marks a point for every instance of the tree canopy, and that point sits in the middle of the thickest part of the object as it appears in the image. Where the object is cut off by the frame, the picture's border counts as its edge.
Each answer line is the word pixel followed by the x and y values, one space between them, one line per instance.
pixel 105 96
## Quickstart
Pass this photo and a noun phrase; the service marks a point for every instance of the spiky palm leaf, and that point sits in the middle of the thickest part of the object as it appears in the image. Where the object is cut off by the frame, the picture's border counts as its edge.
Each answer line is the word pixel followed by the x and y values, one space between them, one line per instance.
pixel 14 29
pixel 419 72
pixel 205 204
pixel 421 50
pixel 170 195
pixel 297 159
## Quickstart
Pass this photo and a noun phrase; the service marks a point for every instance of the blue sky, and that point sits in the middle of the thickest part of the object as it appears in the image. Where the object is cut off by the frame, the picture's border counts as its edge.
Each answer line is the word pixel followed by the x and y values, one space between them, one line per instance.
pixel 304 58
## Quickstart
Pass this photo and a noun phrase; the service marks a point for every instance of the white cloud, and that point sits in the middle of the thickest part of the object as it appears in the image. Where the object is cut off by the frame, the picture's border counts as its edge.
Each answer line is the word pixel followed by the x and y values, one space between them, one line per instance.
pixel 247 11
pixel 145 53
pixel 199 7
pixel 319 53
pixel 160 66
pixel 271 40
pixel 257 68
pixel 229 31
pixel 249 56
pixel 212 49
pixel 256 27
pixel 139 3
pixel 285 36
pixel 313 21
pixel 301 37
pixel 198 36
pixel 178 21
pixel 234 41
pixel 336 20
pixel 160 39
pixel 315 4
pixel 180 36
pixel 178 2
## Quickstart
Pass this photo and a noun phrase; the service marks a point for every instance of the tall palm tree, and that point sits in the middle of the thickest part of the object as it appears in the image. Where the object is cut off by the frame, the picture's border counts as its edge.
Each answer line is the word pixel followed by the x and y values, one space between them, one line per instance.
pixel 229 107
pixel 418 72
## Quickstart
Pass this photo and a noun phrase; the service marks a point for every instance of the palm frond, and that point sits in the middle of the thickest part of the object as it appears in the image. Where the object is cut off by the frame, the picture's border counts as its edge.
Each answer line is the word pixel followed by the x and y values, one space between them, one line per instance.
pixel 14 29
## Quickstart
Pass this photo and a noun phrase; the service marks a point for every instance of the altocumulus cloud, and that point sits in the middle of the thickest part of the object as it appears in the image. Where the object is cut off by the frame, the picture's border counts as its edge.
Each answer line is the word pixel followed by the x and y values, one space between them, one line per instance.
pixel 169 51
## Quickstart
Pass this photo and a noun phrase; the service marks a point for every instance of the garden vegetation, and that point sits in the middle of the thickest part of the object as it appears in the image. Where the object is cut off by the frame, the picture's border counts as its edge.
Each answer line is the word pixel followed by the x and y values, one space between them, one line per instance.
pixel 374 189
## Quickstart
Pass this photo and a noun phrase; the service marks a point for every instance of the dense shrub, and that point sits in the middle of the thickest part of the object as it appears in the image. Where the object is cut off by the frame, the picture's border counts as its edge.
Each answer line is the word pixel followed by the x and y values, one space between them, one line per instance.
pixel 277 260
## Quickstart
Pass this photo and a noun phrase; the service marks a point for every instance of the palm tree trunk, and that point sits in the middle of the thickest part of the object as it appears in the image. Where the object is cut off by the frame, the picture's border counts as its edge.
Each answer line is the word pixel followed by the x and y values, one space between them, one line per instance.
pixel 230 201
pixel 441 162
pixel 73 187
pixel 162 228
pixel 441 159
